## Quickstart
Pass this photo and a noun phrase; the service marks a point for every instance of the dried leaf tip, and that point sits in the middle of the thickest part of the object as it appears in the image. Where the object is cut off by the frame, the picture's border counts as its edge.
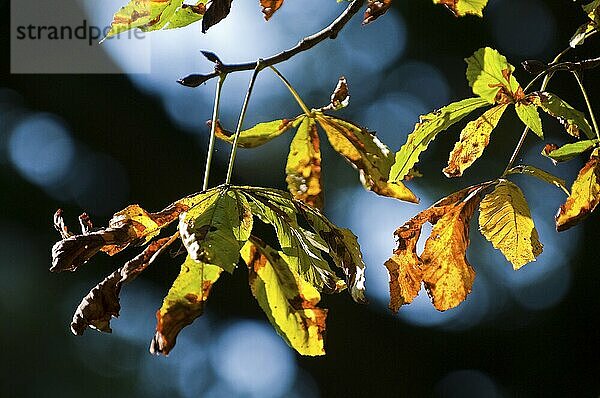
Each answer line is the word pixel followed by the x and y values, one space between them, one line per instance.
pixel 375 9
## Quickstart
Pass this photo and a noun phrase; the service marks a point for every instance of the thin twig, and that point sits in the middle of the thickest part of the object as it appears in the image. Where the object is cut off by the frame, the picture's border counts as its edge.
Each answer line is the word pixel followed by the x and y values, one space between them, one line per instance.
pixel 588 103
pixel 258 66
pixel 547 77
pixel 566 66
pixel 213 129
pixel 329 32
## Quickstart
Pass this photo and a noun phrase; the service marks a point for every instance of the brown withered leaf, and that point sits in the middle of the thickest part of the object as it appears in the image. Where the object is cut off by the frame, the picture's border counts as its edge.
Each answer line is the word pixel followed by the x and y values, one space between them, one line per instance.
pixel 133 225
pixel 101 304
pixel 375 9
pixel 218 10
pixel 142 225
pixel 269 7
pixel 585 195
pixel 404 266
pixel 340 98
pixel 442 267
pixel 71 253
pixel 59 225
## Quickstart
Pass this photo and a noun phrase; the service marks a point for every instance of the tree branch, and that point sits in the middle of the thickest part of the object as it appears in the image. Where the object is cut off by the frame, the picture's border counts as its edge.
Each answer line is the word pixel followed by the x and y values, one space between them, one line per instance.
pixel 329 32
pixel 565 66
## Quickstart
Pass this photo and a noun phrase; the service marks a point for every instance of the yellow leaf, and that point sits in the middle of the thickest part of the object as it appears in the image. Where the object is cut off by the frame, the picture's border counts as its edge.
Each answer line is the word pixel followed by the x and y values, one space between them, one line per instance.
pixel 473 140
pixel 448 277
pixel 259 134
pixel 460 8
pixel 367 154
pixel 426 130
pixel 289 302
pixel 184 303
pixel 442 267
pixel 585 195
pixel 303 167
pixel 505 221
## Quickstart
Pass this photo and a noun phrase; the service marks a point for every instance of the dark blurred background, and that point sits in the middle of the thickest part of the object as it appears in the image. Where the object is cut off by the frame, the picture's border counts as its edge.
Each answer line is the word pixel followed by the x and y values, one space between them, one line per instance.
pixel 97 143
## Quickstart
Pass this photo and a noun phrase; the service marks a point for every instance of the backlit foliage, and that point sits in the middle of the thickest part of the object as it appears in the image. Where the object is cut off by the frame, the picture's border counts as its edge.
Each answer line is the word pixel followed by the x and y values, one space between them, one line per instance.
pixel 311 255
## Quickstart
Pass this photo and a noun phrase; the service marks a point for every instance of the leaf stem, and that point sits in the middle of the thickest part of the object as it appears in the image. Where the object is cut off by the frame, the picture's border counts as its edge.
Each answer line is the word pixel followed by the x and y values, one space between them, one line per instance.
pixel 213 128
pixel 545 82
pixel 259 66
pixel 292 91
pixel 588 103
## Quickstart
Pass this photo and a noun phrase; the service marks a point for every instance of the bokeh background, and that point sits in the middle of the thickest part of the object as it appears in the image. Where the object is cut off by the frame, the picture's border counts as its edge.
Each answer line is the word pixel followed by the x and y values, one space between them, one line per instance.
pixel 97 143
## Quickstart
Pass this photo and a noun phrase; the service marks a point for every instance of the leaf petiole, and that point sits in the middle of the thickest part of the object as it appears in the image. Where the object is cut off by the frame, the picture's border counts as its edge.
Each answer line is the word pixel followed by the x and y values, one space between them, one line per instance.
pixel 238 130
pixel 588 103
pixel 545 82
pixel 292 91
pixel 213 128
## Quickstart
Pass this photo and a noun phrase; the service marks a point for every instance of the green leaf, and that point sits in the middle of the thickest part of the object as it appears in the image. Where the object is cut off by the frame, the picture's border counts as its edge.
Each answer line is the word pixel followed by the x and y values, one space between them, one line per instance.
pixel 491 77
pixel 426 130
pixel 340 98
pixel 289 302
pixel 541 175
pixel 302 249
pixel 460 8
pixel 568 151
pixel 186 15
pixel 530 117
pixel 215 231
pixel 303 168
pixel 343 248
pixel 260 133
pixel 367 154
pixel 473 140
pixel 149 15
pixel 505 221
pixel 573 120
pixel 184 303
